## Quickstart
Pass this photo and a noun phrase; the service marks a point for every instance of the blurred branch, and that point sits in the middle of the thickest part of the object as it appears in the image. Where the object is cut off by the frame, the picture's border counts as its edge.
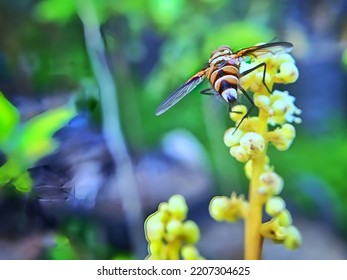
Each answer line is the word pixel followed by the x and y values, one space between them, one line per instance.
pixel 125 179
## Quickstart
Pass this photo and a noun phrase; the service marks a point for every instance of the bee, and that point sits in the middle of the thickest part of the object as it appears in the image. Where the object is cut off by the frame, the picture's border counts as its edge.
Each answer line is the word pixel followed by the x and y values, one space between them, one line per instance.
pixel 223 73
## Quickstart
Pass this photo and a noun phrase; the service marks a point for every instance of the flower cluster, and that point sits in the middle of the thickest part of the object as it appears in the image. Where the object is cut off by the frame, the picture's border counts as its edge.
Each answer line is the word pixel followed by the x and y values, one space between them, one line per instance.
pixel 229 209
pixel 280 228
pixel 248 141
pixel 169 235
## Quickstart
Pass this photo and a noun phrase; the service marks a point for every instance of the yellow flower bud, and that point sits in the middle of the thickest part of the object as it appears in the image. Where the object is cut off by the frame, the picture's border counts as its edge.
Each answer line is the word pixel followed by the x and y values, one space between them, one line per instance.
pixel 173 250
pixel 155 247
pixel 174 227
pixel 166 232
pixel 280 234
pixel 283 58
pixel 240 153
pixel 288 131
pixel 282 137
pixel 288 73
pixel 257 84
pixel 232 137
pixel 262 102
pixel 238 112
pixel 178 207
pixel 228 209
pixel 155 228
pixel 190 252
pixel 285 218
pixel 274 206
pixel 250 124
pixel 270 184
pixel 218 207
pixel 191 232
pixel 293 239
pixel 253 143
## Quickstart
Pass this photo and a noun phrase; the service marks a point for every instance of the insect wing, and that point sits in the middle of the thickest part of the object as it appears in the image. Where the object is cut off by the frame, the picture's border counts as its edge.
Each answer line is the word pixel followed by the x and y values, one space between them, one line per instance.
pixel 265 49
pixel 181 92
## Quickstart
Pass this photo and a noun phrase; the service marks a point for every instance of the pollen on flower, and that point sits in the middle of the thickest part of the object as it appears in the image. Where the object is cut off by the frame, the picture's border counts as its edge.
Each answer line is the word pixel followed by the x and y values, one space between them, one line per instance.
pixel 253 143
pixel 270 184
pixel 239 153
pixel 155 228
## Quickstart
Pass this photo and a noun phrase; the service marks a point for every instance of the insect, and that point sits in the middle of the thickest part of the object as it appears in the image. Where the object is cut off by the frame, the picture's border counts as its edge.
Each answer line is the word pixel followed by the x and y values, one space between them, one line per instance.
pixel 223 72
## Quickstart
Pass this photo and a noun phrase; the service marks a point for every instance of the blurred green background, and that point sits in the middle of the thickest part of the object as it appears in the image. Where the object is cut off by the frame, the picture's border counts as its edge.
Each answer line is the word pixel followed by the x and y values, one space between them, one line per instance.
pixel 52 56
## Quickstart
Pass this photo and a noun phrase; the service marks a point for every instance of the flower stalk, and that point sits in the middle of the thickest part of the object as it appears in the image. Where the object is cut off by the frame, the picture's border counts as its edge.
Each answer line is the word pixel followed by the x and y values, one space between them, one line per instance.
pixel 249 144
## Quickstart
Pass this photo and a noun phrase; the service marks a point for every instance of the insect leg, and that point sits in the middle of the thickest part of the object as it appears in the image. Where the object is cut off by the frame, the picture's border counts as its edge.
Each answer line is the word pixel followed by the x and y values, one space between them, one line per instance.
pixel 263 64
pixel 248 111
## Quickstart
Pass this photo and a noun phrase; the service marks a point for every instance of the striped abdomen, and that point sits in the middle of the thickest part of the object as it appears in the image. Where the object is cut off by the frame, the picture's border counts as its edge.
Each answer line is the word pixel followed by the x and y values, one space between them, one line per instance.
pixel 225 81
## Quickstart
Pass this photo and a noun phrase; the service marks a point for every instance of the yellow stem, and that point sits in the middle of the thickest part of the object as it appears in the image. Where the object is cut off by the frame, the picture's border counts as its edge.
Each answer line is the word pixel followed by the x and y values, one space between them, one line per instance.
pixel 253 220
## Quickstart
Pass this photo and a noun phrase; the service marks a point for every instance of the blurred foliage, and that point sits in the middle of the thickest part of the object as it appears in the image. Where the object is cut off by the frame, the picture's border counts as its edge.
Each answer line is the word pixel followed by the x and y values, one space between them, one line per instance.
pixel 23 144
pixel 153 47
pixel 62 249
pixel 344 59
pixel 324 177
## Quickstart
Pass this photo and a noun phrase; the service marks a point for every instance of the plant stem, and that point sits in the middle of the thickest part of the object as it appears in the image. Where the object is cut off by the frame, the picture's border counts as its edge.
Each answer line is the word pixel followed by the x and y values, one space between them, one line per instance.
pixel 124 183
pixel 253 221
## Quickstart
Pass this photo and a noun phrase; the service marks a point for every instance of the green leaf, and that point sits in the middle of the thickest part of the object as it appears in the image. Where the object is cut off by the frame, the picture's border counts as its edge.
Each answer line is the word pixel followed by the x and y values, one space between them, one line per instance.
pixel 30 142
pixel 344 59
pixel 11 169
pixel 166 13
pixel 35 138
pixel 63 249
pixel 23 183
pixel 237 35
pixel 9 118
pixel 55 10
